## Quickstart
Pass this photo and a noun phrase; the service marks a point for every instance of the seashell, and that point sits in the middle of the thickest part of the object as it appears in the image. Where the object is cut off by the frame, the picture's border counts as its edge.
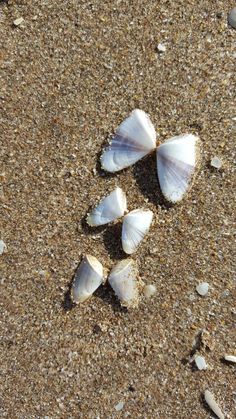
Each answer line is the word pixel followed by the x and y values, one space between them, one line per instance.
pixel 149 290
pixel 123 280
pixel 135 225
pixel 209 397
pixel 177 159
pixel 134 139
pixel 200 362
pixel 88 278
pixel 109 209
pixel 230 358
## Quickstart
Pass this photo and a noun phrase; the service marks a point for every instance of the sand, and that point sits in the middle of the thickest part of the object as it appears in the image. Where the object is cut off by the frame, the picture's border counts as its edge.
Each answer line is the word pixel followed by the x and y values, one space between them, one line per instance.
pixel 71 71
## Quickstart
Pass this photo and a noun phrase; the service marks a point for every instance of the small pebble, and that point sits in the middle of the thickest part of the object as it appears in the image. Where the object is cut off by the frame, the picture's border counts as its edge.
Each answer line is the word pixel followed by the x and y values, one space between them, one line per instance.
pixel 161 48
pixel 119 406
pixel 230 358
pixel 232 18
pixel 216 162
pixel 202 289
pixel 200 362
pixel 18 21
pixel 2 247
pixel 149 290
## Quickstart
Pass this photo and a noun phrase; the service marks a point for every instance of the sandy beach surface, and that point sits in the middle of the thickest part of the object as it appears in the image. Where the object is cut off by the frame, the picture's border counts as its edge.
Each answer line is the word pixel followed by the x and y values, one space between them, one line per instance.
pixel 71 71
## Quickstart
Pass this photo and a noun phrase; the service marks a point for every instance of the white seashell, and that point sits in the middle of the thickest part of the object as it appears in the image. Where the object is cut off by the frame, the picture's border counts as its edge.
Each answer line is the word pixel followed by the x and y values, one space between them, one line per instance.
pixel 123 280
pixel 202 289
pixel 216 162
pixel 134 139
pixel 149 290
pixel 135 225
pixel 230 358
pixel 176 162
pixel 209 397
pixel 109 209
pixel 200 362
pixel 2 247
pixel 88 278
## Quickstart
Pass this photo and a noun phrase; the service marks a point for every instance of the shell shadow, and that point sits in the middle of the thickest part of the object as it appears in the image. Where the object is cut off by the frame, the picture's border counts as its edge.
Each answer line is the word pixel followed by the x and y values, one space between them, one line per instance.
pixel 106 294
pixel 67 303
pixel 112 241
pixel 145 173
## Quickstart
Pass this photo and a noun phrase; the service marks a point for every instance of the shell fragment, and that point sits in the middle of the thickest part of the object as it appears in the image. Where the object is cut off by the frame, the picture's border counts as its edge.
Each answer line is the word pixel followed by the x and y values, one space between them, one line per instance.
pixel 209 397
pixel 134 139
pixel 123 280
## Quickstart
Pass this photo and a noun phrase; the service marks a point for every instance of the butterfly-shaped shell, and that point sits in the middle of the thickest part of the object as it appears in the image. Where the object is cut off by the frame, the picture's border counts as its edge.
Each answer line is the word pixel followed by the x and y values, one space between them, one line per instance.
pixel 134 139
pixel 177 159
pixel 109 209
pixel 88 278
pixel 135 225
pixel 123 280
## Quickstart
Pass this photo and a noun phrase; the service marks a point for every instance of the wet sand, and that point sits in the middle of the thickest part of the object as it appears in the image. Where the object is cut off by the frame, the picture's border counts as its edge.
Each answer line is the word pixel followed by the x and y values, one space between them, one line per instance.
pixel 70 73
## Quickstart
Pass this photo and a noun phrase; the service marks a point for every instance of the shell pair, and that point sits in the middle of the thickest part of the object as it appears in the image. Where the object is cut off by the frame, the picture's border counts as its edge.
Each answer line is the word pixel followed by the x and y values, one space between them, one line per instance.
pixel 176 158
pixel 123 279
pixel 135 224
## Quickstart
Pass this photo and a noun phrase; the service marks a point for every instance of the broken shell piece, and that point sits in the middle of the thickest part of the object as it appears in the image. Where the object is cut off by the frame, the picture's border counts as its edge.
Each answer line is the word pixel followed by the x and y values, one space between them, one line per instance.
pixel 109 209
pixel 209 397
pixel 123 280
pixel 149 290
pixel 200 362
pixel 135 225
pixel 216 162
pixel 88 278
pixel 177 159
pixel 2 247
pixel 230 358
pixel 134 139
pixel 202 289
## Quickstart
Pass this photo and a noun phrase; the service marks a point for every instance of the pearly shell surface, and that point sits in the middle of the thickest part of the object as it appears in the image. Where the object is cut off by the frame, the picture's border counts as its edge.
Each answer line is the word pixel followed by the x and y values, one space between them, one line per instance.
pixel 176 162
pixel 88 278
pixel 134 139
pixel 135 226
pixel 109 209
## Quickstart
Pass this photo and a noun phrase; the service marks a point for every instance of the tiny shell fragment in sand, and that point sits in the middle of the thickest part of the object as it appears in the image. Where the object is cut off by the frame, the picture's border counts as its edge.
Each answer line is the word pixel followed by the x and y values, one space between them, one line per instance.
pixel 161 48
pixel 2 247
pixel 216 162
pixel 119 406
pixel 200 362
pixel 232 18
pixel 202 289
pixel 230 358
pixel 209 397
pixel 149 290
pixel 18 21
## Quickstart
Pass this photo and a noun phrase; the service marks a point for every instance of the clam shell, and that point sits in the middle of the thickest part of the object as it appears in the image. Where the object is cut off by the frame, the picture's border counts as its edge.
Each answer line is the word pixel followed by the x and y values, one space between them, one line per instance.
pixel 177 159
pixel 88 278
pixel 134 139
pixel 123 280
pixel 109 209
pixel 135 225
